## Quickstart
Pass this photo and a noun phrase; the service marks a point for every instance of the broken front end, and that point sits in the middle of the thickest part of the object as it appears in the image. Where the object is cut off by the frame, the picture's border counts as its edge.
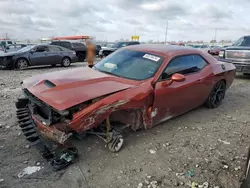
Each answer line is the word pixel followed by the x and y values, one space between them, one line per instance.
pixel 49 130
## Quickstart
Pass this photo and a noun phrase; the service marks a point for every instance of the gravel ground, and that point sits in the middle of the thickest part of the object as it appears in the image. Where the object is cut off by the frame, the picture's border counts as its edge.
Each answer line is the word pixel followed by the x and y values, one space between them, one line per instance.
pixel 203 146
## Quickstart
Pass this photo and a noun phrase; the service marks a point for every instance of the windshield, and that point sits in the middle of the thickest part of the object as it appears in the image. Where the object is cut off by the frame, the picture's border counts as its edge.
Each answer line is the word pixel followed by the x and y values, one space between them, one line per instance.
pixel 119 45
pixel 130 64
pixel 27 48
pixel 243 41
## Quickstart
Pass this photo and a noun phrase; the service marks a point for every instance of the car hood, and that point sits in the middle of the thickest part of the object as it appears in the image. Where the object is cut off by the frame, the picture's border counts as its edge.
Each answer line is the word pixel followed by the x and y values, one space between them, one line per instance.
pixel 10 54
pixel 64 89
pixel 238 48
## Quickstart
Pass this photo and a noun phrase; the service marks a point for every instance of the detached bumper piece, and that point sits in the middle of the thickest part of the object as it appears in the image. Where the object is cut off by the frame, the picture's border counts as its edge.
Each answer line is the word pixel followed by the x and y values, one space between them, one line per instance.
pixel 58 160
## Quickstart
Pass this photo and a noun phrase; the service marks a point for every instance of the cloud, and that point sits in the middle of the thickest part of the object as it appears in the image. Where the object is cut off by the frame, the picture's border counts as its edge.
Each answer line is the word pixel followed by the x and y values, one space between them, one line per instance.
pixel 115 19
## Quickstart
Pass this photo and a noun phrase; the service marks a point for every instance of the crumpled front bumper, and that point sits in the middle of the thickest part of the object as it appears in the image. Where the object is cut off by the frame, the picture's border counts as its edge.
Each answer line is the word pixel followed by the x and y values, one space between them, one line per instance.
pixel 38 135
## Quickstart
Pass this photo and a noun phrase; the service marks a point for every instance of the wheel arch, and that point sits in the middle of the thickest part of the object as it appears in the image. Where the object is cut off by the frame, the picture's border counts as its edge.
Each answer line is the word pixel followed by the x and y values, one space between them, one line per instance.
pixel 67 57
pixel 18 58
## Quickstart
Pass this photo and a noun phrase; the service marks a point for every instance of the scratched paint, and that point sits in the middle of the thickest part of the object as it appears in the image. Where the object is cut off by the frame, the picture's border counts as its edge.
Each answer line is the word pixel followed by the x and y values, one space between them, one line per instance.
pixel 87 122
pixel 110 106
pixel 154 112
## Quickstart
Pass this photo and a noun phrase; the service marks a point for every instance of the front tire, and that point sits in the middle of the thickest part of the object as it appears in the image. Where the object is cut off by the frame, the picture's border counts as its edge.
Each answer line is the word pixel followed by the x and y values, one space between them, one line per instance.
pixel 22 64
pixel 66 62
pixel 217 95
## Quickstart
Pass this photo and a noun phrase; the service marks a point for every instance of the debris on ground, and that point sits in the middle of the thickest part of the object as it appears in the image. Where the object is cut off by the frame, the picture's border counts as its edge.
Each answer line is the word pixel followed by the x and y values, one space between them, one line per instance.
pixel 225 167
pixel 140 185
pixel 152 151
pixel 224 142
pixel 29 170
pixel 1 180
pixel 190 173
pixel 194 185
pixel 27 146
pixel 237 168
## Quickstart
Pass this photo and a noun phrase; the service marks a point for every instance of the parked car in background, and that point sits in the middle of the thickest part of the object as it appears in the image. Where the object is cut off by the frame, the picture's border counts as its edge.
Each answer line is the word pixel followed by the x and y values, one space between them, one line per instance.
pixel 1 49
pixel 78 47
pixel 105 52
pixel 35 55
pixel 214 50
pixel 137 86
pixel 238 54
pixel 97 49
pixel 5 43
pixel 14 47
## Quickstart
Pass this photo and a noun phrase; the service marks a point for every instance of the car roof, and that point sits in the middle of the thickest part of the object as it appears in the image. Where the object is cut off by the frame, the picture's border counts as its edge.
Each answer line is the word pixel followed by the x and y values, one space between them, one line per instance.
pixel 162 49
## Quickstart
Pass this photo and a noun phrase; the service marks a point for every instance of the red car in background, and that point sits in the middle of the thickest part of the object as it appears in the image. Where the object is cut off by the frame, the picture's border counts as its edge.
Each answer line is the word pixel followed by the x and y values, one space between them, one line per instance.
pixel 215 50
pixel 138 86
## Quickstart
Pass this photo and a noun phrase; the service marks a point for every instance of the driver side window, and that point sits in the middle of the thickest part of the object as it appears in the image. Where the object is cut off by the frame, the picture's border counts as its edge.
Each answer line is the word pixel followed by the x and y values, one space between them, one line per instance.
pixel 185 64
pixel 41 49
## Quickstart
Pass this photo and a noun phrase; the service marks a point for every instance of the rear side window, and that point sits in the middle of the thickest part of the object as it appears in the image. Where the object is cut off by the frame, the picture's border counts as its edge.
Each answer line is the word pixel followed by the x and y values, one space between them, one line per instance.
pixel 78 45
pixel 54 49
pixel 55 43
pixel 185 64
pixel 66 45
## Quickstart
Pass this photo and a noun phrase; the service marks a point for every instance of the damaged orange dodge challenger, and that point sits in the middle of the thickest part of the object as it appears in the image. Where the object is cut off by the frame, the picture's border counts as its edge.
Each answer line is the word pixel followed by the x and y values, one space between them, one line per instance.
pixel 137 86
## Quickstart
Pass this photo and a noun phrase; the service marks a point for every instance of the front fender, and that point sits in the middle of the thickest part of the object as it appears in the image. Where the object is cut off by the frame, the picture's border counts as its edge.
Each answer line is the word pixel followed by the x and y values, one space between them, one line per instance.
pixel 139 97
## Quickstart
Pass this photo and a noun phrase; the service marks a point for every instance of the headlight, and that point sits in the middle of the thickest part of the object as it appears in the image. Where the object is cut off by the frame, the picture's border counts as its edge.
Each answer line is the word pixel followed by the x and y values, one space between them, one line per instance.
pixel 100 52
pixel 221 54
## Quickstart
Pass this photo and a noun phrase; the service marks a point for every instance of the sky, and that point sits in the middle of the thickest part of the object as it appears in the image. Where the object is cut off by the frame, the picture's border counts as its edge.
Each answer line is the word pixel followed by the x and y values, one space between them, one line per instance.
pixel 117 19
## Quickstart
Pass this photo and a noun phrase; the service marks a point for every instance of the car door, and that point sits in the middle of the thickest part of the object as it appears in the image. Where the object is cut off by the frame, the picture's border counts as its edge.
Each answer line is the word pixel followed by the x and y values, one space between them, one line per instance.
pixel 54 55
pixel 179 97
pixel 38 55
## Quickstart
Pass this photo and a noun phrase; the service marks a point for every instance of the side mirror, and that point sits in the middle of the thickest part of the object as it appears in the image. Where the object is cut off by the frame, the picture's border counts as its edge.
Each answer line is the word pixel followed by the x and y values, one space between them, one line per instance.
pixel 175 78
pixel 178 77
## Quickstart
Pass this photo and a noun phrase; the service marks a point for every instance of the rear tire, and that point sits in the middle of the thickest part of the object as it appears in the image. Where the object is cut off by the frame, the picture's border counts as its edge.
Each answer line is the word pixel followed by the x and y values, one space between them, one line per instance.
pixel 66 62
pixel 22 64
pixel 217 95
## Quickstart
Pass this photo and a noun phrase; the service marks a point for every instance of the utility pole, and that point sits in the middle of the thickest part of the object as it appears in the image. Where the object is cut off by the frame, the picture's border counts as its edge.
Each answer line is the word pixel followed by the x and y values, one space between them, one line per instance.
pixel 215 34
pixel 166 34
pixel 6 35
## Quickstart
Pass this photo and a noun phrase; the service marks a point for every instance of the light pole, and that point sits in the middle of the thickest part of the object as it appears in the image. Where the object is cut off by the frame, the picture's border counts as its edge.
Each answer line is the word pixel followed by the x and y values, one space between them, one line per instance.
pixel 166 34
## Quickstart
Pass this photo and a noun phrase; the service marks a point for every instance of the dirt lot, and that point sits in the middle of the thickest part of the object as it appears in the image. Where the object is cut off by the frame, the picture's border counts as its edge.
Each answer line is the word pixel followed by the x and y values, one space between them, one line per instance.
pixel 200 146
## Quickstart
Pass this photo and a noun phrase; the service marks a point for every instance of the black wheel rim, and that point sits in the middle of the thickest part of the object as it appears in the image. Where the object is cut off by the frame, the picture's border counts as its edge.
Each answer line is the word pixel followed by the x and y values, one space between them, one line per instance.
pixel 218 93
